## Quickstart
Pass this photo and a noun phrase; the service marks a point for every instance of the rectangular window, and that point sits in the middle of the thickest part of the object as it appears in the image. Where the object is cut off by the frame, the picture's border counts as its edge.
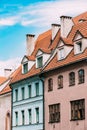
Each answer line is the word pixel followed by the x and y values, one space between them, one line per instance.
pixel 54 113
pixel 39 62
pixel 30 116
pixel 37 115
pixel 61 53
pixel 50 84
pixel 37 88
pixel 79 44
pixel 23 92
pixel 29 90
pixel 16 118
pixel 16 95
pixel 23 117
pixel 25 68
pixel 78 109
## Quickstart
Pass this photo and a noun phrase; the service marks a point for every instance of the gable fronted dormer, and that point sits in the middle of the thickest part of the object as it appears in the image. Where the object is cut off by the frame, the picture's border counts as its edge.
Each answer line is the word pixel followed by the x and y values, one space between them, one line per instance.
pixel 63 49
pixel 41 58
pixel 27 63
pixel 80 43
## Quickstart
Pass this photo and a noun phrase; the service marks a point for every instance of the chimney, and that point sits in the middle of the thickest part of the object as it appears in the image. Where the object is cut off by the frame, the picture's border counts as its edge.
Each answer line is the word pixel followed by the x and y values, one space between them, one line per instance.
pixel 7 72
pixel 55 29
pixel 66 25
pixel 30 43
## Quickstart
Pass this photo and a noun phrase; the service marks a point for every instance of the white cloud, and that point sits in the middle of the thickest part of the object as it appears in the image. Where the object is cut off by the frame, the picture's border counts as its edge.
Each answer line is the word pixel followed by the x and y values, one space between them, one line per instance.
pixel 45 13
pixel 9 64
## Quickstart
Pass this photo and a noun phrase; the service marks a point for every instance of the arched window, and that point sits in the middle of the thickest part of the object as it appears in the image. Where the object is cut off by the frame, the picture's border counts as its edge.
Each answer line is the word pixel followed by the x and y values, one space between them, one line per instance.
pixel 60 81
pixel 81 76
pixel 71 78
pixel 8 121
pixel 50 84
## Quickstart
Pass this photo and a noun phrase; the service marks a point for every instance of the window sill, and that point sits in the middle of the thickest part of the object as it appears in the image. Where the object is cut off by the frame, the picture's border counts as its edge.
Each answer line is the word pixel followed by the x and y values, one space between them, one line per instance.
pixel 71 85
pixel 77 119
pixel 54 122
pixel 80 82
pixel 60 88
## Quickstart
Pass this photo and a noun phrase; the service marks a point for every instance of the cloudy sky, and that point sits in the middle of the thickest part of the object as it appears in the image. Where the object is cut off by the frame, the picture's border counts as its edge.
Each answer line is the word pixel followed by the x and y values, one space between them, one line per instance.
pixel 20 17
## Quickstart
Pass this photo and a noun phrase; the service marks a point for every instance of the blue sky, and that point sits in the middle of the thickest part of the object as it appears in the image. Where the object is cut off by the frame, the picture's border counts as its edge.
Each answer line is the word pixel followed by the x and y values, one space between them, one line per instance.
pixel 20 17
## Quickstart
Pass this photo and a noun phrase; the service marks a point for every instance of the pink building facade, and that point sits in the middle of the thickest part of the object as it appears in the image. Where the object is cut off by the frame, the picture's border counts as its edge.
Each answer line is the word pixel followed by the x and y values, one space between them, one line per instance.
pixel 64 96
pixel 65 84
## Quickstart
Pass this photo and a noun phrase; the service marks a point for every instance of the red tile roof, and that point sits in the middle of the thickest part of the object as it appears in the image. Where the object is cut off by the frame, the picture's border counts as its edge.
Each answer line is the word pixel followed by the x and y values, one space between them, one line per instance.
pixel 7 88
pixel 45 43
pixel 2 79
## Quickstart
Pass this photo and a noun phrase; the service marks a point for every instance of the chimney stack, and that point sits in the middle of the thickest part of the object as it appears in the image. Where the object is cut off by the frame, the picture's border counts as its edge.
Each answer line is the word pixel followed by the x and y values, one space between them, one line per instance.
pixel 55 29
pixel 30 43
pixel 66 25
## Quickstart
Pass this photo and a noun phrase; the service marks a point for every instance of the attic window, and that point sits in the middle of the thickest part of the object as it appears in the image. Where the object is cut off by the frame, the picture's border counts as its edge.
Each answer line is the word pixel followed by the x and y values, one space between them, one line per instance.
pixel 61 53
pixel 79 46
pixel 25 68
pixel 39 62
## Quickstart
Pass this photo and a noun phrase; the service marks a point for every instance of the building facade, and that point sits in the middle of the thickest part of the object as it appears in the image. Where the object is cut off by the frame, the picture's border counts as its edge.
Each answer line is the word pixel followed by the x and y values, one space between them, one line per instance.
pixel 27 104
pixel 65 78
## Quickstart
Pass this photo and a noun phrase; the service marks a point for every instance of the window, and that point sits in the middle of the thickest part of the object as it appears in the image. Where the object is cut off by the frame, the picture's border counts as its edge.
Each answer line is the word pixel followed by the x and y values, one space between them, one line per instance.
pixel 39 62
pixel 16 118
pixel 25 68
pixel 50 84
pixel 37 115
pixel 22 90
pixel 71 78
pixel 29 90
pixel 16 94
pixel 79 46
pixel 60 81
pixel 81 76
pixel 30 116
pixel 61 53
pixel 54 113
pixel 37 88
pixel 23 117
pixel 78 109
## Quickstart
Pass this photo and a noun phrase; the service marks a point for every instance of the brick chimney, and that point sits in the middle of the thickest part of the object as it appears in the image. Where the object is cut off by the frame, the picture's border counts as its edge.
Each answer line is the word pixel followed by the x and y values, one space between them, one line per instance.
pixel 66 25
pixel 55 29
pixel 30 43
pixel 7 72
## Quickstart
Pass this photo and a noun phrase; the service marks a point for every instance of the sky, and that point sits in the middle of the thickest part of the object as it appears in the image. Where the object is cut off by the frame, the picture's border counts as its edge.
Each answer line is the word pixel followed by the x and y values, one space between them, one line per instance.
pixel 21 17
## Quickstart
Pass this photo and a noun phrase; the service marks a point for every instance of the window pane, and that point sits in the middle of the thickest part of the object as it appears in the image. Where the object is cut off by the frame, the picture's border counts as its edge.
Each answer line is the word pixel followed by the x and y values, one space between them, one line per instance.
pixel 30 116
pixel 25 68
pixel 37 115
pixel 29 90
pixel 16 94
pixel 61 53
pixel 50 84
pixel 39 62
pixel 23 117
pixel 54 113
pixel 37 88
pixel 22 93
pixel 81 76
pixel 60 81
pixel 78 109
pixel 16 117
pixel 72 78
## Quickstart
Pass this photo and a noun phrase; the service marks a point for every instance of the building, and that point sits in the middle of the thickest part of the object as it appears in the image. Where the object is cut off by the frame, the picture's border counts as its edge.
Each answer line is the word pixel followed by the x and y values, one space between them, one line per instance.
pixel 65 76
pixel 27 85
pixel 5 100
pixel 49 90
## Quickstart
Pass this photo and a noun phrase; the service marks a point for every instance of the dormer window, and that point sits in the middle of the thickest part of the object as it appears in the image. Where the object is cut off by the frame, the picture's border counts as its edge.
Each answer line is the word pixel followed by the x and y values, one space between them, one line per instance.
pixel 79 45
pixel 25 68
pixel 39 61
pixel 61 53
